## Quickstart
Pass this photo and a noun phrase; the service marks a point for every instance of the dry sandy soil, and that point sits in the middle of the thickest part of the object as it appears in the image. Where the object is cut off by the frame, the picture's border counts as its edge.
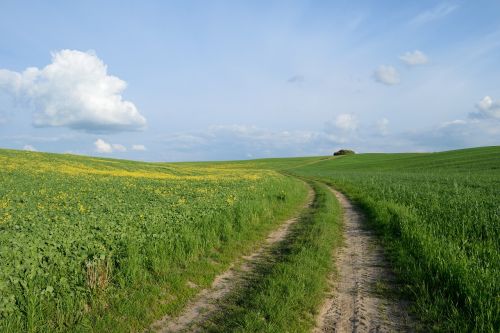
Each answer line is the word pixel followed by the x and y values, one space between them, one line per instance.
pixel 362 298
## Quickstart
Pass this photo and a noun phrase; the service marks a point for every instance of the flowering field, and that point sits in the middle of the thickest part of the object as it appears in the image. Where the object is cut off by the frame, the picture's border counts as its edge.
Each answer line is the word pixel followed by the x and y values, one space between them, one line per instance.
pixel 84 239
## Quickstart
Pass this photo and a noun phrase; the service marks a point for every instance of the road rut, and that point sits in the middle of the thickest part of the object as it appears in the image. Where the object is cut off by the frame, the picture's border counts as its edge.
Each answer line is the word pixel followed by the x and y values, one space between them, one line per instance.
pixel 206 302
pixel 362 298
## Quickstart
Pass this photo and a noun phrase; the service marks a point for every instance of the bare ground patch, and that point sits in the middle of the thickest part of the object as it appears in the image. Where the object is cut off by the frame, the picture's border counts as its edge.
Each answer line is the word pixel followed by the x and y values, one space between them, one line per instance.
pixel 362 298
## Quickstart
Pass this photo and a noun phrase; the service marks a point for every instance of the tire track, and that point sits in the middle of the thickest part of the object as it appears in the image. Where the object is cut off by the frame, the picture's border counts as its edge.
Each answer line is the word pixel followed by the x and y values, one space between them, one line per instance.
pixel 361 299
pixel 206 302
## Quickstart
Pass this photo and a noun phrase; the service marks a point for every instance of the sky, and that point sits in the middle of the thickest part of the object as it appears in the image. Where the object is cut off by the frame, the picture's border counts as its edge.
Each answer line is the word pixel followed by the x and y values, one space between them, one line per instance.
pixel 219 80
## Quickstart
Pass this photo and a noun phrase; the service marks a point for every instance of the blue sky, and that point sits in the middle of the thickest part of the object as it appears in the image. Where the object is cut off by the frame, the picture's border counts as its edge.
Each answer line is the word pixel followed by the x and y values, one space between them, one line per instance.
pixel 206 80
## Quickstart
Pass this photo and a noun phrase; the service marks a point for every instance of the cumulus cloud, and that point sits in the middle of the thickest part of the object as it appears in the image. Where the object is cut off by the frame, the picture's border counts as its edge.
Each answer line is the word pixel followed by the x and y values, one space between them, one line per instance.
pixel 487 108
pixel 73 91
pixel 102 146
pixel 440 11
pixel 139 147
pixel 387 75
pixel 29 148
pixel 414 58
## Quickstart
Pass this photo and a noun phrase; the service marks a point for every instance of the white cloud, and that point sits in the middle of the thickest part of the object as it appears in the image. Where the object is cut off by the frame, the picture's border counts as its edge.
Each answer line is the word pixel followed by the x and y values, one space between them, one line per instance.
pixel 453 123
pixel 455 134
pixel 485 103
pixel 414 58
pixel 346 122
pixel 387 75
pixel 73 91
pixel 344 129
pixel 242 141
pixel 487 108
pixel 29 148
pixel 480 129
pixel 102 146
pixel 139 147
pixel 436 13
pixel 118 147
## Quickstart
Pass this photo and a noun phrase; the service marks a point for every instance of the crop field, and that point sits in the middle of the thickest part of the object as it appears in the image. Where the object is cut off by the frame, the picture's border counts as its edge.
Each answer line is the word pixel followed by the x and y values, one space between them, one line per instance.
pixel 439 214
pixel 85 242
pixel 94 245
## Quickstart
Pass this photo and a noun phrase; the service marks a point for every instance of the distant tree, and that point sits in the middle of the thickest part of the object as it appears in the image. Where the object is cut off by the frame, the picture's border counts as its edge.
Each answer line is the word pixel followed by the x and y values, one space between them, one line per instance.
pixel 344 152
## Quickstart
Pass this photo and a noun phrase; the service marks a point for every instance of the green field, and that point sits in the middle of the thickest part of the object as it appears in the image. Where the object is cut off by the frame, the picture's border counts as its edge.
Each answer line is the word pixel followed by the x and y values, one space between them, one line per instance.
pixel 87 242
pixel 90 244
pixel 439 214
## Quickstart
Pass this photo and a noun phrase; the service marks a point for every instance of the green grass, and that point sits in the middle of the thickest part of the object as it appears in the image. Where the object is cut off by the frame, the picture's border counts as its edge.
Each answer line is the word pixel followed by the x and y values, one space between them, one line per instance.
pixel 285 292
pixel 439 215
pixel 92 244
pixel 106 245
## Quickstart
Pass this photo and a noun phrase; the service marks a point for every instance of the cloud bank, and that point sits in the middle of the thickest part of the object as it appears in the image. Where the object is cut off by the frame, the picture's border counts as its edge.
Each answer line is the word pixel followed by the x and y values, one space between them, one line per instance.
pixel 345 130
pixel 239 141
pixel 74 91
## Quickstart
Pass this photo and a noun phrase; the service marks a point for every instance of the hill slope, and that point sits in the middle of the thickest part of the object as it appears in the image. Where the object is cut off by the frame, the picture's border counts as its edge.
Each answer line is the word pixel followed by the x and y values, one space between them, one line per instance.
pixel 86 242
pixel 439 214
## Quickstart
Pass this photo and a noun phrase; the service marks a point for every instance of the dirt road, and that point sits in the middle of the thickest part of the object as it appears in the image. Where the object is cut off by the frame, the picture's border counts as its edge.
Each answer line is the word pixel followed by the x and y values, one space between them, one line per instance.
pixel 362 298
pixel 206 302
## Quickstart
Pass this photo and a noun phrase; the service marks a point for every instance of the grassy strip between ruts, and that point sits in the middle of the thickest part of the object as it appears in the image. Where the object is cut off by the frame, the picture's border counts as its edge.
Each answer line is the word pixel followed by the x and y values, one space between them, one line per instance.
pixel 285 292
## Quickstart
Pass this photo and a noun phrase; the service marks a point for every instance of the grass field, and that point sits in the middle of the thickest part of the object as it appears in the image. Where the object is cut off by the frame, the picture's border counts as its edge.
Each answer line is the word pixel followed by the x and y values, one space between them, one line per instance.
pixel 286 292
pixel 92 244
pixel 87 242
pixel 439 214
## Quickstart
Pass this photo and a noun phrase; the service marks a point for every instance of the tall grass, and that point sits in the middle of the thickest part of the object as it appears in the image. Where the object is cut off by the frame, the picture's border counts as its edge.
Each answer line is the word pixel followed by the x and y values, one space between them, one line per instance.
pixel 440 217
pixel 286 291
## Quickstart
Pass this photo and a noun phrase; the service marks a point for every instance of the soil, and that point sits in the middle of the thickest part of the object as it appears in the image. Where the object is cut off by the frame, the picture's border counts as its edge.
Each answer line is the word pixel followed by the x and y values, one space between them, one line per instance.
pixel 363 296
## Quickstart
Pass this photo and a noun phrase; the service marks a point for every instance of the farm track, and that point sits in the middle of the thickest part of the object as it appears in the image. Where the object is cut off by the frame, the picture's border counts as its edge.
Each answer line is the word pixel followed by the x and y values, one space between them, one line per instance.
pixel 362 298
pixel 207 302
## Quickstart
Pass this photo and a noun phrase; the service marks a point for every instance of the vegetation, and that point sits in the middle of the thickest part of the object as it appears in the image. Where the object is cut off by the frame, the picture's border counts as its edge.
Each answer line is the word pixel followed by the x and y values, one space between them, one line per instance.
pixel 286 292
pixel 107 245
pixel 439 214
pixel 344 152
